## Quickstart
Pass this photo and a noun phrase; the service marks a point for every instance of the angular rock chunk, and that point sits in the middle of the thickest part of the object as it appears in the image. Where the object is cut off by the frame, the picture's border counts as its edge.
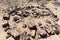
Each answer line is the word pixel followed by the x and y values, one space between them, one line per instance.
pixel 6 26
pixel 50 30
pixel 14 32
pixel 16 19
pixel 6 16
pixel 32 33
pixel 42 33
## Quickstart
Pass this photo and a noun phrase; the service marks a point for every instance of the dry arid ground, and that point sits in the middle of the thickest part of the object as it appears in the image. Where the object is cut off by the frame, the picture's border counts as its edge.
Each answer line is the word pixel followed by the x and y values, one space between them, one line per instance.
pixel 29 19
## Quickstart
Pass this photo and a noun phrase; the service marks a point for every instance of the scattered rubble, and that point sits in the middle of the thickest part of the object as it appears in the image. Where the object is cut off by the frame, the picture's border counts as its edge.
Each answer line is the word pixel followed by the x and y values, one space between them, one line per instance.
pixel 37 22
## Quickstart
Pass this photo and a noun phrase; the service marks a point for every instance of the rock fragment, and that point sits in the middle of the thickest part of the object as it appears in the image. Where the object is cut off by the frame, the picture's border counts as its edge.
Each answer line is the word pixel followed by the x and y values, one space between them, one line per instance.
pixel 14 32
pixel 32 33
pixel 16 19
pixel 42 33
pixel 6 16
pixel 6 26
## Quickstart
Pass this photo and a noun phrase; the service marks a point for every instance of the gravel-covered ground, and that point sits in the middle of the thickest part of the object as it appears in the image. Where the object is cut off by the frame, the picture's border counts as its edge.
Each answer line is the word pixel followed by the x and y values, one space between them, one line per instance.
pixel 29 19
